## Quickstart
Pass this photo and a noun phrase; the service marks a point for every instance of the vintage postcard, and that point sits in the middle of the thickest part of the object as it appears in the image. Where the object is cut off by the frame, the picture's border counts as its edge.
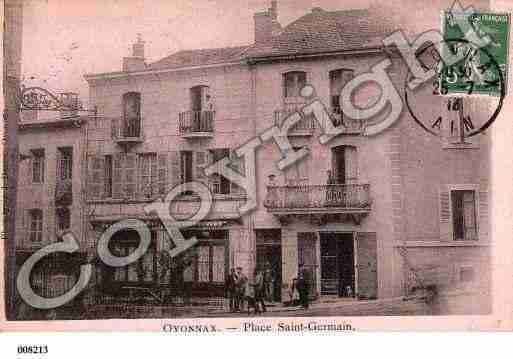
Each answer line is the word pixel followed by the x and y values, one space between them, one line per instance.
pixel 254 166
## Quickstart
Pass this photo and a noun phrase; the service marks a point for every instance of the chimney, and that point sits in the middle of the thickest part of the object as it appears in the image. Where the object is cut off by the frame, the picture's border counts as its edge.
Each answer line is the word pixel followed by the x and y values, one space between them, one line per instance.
pixel 136 61
pixel 266 23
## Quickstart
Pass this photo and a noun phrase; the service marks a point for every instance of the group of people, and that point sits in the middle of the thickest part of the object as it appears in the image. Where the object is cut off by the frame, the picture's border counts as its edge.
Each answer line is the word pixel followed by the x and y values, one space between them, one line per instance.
pixel 244 294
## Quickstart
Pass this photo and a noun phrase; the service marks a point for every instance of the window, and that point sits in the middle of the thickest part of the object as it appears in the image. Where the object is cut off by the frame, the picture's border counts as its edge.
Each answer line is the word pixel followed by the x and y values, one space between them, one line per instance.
pixel 297 173
pixel 219 184
pixel 148 174
pixel 63 216
pixel 132 114
pixel 186 166
pixel 36 225
pixel 65 163
pixel 108 176
pixel 464 214
pixel 200 99
pixel 338 79
pixel 293 82
pixel 38 166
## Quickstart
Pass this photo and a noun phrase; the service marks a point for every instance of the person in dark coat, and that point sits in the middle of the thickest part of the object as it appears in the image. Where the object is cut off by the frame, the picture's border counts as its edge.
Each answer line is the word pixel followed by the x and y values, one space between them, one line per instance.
pixel 259 292
pixel 303 286
pixel 231 290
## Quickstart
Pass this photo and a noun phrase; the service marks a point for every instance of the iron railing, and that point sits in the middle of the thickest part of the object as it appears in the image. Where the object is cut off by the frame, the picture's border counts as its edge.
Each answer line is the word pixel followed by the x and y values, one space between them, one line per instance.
pixel 340 196
pixel 305 125
pixel 196 121
pixel 126 128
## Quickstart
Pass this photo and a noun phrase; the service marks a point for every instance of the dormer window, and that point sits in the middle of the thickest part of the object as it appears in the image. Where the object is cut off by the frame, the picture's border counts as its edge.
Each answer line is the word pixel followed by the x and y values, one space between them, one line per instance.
pixel 132 114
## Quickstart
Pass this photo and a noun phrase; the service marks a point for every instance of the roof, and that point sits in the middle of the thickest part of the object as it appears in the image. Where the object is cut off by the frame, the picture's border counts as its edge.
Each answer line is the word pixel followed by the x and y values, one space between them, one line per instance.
pixel 200 57
pixel 325 31
pixel 317 32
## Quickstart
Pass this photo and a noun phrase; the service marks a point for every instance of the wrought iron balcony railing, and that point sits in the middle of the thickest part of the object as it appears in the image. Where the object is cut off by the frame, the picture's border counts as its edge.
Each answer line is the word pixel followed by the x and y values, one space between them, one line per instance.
pixel 304 127
pixel 64 192
pixel 196 123
pixel 127 132
pixel 319 198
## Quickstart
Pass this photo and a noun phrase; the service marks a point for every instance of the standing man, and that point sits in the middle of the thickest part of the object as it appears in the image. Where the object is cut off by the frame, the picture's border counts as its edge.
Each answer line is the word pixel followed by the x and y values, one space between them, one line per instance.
pixel 259 291
pixel 231 290
pixel 303 286
pixel 240 288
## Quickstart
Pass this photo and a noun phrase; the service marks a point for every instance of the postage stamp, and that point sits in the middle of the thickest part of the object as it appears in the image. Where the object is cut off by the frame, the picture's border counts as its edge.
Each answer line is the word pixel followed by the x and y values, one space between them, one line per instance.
pixel 287 179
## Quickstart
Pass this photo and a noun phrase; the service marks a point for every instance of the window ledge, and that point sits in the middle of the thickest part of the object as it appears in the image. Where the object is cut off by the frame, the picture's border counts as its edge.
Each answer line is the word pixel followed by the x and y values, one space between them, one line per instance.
pixel 460 146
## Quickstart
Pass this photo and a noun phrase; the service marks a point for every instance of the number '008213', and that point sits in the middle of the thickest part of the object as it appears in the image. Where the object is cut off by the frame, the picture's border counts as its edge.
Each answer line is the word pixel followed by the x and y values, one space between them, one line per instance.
pixel 32 349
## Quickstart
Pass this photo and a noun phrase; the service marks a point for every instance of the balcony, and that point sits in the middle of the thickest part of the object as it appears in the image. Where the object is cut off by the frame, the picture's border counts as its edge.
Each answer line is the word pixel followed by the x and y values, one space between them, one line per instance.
pixel 305 126
pixel 63 192
pixel 352 126
pixel 196 124
pixel 319 202
pixel 127 133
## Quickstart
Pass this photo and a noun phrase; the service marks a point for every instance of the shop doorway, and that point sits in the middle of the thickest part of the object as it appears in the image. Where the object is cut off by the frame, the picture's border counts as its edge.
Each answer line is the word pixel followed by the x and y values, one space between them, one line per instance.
pixel 268 258
pixel 337 264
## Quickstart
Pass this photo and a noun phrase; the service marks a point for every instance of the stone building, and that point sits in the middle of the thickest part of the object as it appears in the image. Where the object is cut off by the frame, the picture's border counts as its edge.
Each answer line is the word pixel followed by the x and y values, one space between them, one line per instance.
pixel 365 216
pixel 50 202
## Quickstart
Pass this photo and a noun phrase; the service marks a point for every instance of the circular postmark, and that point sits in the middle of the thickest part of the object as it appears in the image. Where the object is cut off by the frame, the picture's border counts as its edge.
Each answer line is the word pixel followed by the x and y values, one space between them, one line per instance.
pixel 475 68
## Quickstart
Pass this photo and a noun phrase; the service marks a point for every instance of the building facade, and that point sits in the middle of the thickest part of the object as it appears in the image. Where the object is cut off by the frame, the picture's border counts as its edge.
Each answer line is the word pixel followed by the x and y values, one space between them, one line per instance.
pixel 50 202
pixel 366 217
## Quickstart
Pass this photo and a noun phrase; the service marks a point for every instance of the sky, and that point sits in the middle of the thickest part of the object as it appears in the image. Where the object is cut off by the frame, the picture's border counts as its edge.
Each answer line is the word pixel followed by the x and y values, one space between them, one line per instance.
pixel 65 39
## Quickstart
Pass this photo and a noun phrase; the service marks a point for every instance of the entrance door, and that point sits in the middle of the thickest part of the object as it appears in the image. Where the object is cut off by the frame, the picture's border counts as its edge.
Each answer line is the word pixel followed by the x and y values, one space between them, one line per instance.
pixel 307 257
pixel 337 264
pixel 367 266
pixel 268 258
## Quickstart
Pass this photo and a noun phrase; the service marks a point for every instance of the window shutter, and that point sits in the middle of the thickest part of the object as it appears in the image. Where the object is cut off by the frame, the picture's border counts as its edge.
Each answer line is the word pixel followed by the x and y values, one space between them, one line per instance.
pixel 200 161
pixel 445 216
pixel 351 156
pixel 174 172
pixel 483 224
pixel 162 187
pixel 96 171
pixel 129 175
pixel 239 166
pixel 117 175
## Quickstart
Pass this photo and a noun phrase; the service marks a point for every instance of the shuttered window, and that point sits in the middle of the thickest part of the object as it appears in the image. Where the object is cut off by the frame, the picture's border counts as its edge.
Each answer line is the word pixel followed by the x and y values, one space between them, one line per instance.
pixel 464 215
